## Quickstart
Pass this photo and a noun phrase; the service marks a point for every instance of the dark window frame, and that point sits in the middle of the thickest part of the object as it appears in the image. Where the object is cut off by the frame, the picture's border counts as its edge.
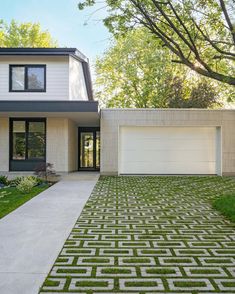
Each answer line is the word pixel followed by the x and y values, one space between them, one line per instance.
pixel 92 130
pixel 26 67
pixel 27 121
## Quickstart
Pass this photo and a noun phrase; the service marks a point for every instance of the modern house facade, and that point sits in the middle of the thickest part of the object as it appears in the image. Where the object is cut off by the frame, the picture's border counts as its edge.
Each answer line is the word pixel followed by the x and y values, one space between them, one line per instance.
pixel 48 114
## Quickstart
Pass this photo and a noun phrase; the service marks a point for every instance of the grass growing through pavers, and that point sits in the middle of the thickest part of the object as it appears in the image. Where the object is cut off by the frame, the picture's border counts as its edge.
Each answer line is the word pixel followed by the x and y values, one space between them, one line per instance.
pixel 156 220
pixel 11 198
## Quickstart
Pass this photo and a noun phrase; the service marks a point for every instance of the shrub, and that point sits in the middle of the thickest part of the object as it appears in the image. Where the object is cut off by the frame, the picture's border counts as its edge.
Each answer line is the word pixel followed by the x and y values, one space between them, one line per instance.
pixel 44 170
pixel 15 182
pixel 26 184
pixel 4 180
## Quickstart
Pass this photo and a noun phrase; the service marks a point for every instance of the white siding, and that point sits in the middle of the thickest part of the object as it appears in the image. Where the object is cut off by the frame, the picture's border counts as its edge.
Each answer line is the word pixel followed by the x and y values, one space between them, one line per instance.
pixel 57 77
pixel 77 86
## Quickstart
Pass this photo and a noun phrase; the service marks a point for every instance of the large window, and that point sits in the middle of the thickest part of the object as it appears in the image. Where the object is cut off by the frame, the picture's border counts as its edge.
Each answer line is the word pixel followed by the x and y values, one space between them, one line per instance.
pixel 27 78
pixel 28 139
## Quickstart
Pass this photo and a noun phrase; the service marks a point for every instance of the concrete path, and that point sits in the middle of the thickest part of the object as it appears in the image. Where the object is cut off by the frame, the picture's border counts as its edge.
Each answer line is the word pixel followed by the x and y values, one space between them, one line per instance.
pixel 32 236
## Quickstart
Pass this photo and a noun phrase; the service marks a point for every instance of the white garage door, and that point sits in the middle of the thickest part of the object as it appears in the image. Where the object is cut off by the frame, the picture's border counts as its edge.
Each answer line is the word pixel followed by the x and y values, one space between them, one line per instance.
pixel 167 150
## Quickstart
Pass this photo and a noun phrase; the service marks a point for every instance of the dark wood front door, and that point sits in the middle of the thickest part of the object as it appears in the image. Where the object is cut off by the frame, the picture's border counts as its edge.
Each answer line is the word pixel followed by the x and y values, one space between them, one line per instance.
pixel 89 148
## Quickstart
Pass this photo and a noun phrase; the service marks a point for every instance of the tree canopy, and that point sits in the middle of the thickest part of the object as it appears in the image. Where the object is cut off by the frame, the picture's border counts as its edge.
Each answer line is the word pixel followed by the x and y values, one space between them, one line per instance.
pixel 25 34
pixel 200 34
pixel 137 72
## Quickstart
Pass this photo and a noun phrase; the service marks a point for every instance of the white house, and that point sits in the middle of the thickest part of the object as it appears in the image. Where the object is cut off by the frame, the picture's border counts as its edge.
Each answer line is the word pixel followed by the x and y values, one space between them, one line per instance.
pixel 47 114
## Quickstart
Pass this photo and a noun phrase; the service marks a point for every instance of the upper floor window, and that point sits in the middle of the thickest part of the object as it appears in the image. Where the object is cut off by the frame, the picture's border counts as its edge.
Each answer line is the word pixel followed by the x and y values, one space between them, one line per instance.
pixel 27 78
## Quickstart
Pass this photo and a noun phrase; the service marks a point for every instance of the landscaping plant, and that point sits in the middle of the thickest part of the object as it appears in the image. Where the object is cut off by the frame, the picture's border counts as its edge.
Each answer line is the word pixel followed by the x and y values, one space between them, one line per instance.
pixel 26 184
pixel 4 180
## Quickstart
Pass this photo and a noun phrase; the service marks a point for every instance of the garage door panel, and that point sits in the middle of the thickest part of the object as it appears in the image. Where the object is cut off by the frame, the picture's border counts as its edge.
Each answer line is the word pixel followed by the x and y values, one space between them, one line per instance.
pixel 166 155
pixel 172 132
pixel 159 144
pixel 170 168
pixel 167 150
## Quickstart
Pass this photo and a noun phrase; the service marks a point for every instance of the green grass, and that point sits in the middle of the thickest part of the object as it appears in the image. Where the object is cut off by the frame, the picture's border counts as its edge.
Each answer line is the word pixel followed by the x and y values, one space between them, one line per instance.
pixel 11 198
pixel 226 205
pixel 114 271
pixel 189 284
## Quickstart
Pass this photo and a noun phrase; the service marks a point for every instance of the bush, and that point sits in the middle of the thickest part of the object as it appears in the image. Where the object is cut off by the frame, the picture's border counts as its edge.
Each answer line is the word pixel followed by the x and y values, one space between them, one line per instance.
pixel 44 170
pixel 4 180
pixel 15 182
pixel 26 184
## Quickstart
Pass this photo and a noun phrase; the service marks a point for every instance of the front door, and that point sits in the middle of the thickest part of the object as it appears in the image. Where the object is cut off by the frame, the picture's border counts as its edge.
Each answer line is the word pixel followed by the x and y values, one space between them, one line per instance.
pixel 89 148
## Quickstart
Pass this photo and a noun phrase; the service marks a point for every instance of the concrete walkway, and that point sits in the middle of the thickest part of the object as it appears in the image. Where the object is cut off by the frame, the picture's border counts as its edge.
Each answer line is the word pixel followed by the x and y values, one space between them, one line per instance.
pixel 32 236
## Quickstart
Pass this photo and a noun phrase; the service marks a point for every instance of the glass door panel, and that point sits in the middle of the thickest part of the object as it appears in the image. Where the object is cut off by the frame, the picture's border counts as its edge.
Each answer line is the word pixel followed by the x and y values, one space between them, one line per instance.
pixel 86 150
pixel 89 148
pixel 97 149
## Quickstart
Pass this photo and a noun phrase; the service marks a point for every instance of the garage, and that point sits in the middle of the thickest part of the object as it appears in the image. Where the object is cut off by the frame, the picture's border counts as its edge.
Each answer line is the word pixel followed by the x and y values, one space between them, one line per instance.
pixel 169 150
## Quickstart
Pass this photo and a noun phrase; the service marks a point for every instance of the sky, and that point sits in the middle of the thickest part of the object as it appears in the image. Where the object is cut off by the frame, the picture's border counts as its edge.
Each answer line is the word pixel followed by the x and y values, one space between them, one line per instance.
pixel 64 21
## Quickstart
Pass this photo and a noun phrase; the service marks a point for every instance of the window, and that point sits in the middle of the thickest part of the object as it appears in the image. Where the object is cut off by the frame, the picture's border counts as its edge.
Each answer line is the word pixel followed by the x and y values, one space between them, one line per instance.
pixel 28 139
pixel 27 78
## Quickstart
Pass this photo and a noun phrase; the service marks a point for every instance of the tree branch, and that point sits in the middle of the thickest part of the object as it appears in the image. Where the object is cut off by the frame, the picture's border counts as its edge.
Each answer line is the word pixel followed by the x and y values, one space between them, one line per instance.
pixel 228 20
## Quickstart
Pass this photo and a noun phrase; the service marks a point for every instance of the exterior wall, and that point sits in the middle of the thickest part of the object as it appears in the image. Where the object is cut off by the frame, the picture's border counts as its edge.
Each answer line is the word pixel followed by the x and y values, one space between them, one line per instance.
pixel 57 78
pixel 62 146
pixel 4 144
pixel 77 86
pixel 72 146
pixel 57 143
pixel 111 119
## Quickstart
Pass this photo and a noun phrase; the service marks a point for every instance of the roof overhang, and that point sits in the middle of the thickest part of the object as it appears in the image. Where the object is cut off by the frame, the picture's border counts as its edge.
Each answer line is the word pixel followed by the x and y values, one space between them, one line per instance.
pixel 84 113
pixel 74 52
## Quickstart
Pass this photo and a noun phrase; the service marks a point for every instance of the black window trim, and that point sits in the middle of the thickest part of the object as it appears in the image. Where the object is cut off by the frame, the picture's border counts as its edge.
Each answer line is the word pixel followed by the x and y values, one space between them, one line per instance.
pixel 26 120
pixel 26 66
pixel 84 130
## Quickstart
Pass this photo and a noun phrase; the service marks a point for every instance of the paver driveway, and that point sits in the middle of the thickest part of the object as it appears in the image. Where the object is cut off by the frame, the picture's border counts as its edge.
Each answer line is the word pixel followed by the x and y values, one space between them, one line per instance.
pixel 149 235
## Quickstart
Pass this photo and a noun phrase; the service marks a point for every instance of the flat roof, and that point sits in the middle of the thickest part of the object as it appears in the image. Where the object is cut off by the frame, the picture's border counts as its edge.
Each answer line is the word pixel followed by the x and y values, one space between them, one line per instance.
pixel 74 52
pixel 48 106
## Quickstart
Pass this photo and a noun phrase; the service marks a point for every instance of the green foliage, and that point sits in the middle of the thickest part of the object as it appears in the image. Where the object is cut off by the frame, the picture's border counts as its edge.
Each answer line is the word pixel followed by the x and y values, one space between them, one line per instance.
pixel 25 34
pixel 4 180
pixel 137 72
pixel 226 205
pixel 26 184
pixel 200 34
pixel 15 182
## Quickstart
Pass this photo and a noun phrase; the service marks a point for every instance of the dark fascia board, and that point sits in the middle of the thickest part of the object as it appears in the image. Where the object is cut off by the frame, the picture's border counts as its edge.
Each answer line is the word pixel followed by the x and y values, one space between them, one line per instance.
pixel 45 51
pixel 48 106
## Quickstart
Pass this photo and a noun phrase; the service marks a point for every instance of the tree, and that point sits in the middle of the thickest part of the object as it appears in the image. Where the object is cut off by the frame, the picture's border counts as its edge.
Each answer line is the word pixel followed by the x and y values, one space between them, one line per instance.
pixel 137 72
pixel 25 34
pixel 200 34
pixel 202 95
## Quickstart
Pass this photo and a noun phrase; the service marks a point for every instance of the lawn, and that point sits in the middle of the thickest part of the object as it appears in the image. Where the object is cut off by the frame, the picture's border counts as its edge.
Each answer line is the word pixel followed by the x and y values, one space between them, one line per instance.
pixel 149 235
pixel 226 205
pixel 11 198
